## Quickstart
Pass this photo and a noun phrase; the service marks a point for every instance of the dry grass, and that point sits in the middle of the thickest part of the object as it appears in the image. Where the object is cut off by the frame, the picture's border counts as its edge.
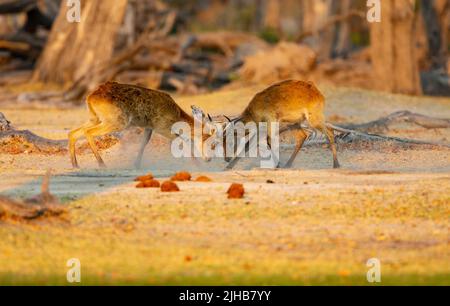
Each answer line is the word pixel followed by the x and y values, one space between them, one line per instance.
pixel 309 227
pixel 284 233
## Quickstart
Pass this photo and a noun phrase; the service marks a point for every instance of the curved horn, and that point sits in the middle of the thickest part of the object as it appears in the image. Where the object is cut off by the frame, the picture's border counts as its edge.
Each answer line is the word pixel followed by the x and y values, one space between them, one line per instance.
pixel 228 118
pixel 209 117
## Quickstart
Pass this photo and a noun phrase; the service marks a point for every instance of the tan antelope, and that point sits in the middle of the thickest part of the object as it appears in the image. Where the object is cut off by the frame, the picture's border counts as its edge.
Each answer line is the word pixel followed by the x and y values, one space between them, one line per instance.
pixel 113 107
pixel 290 103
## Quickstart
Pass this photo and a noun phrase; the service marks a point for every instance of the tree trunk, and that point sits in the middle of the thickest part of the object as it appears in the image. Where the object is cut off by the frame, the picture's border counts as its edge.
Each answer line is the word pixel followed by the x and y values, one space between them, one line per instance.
pixel 341 43
pixel 272 15
pixel 77 49
pixel 315 14
pixel 393 49
pixel 435 14
pixel 326 41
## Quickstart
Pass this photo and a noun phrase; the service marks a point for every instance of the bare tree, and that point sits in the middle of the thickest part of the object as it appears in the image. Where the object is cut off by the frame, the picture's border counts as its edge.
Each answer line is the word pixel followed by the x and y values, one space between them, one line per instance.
pixel 77 49
pixel 272 14
pixel 326 26
pixel 436 16
pixel 341 40
pixel 394 62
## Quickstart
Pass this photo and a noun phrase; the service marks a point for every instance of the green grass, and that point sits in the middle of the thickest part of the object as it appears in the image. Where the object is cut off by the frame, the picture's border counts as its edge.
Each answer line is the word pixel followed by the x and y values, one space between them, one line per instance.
pixel 240 280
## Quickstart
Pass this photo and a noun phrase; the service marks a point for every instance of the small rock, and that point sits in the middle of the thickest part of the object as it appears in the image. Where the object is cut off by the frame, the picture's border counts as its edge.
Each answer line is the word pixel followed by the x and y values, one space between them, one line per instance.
pixel 236 191
pixel 152 184
pixel 181 177
pixel 203 179
pixel 169 187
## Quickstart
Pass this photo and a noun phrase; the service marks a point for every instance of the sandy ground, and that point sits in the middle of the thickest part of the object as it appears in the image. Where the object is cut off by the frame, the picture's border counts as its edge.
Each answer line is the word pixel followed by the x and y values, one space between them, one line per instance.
pixel 314 225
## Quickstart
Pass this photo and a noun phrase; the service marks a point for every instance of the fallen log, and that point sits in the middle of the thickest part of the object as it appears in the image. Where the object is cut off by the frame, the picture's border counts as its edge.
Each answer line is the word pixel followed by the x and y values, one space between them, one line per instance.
pixel 382 124
pixel 354 134
pixel 14 141
pixel 17 6
pixel 347 136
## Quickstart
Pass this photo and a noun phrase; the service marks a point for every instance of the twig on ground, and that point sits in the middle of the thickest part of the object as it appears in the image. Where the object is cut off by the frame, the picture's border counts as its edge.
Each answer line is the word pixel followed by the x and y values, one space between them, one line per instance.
pixel 43 205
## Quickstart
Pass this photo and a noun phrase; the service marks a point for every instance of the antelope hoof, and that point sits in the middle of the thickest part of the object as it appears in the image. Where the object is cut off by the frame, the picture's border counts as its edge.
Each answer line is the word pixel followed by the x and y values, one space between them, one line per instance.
pixel 229 168
pixel 336 165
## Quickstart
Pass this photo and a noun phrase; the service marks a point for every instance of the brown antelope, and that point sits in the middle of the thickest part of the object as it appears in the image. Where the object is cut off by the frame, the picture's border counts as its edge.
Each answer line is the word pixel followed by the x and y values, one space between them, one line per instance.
pixel 114 107
pixel 290 103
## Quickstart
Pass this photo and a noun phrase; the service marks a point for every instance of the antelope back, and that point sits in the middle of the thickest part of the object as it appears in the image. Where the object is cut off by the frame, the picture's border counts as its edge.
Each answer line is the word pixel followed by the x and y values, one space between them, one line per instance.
pixel 286 101
pixel 139 106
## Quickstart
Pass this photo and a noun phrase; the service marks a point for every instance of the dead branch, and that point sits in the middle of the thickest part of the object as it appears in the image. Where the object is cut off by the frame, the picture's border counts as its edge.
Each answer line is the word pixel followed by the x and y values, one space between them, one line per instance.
pixel 225 42
pixel 15 141
pixel 5 125
pixel 351 134
pixel 382 124
pixel 14 46
pixel 122 61
pixel 22 44
pixel 330 22
pixel 43 205
pixel 347 136
pixel 18 6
